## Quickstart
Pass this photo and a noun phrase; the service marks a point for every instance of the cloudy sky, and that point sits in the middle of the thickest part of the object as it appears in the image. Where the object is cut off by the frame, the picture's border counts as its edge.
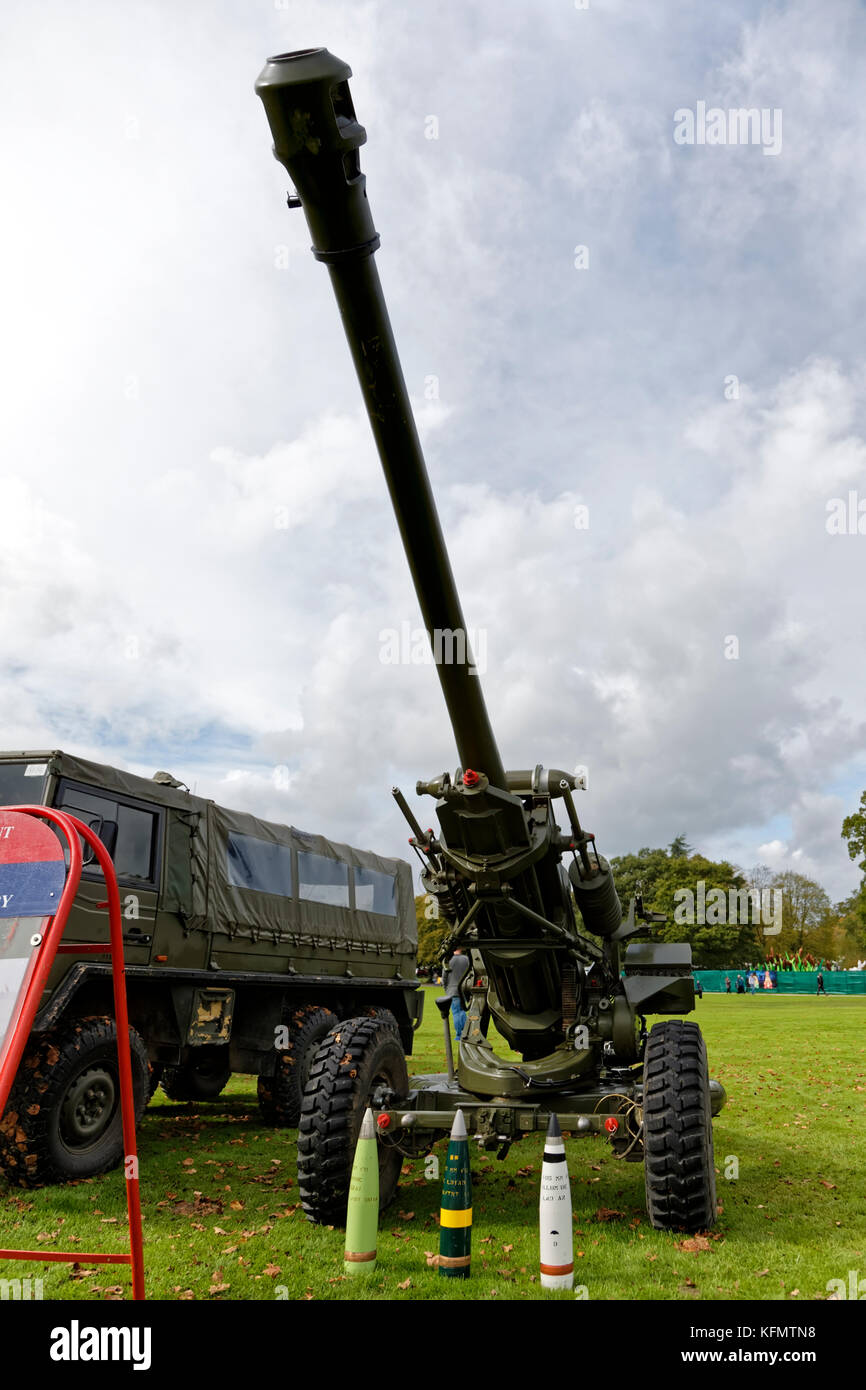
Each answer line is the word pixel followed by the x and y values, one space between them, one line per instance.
pixel 198 553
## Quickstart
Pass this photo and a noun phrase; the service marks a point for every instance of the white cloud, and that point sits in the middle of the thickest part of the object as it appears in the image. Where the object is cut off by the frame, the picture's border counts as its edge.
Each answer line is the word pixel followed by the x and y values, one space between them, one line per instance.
pixel 227 520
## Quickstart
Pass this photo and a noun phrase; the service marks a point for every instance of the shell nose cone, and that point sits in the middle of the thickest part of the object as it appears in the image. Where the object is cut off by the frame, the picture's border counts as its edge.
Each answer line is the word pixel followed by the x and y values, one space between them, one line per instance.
pixel 553 1130
pixel 458 1129
pixel 368 1129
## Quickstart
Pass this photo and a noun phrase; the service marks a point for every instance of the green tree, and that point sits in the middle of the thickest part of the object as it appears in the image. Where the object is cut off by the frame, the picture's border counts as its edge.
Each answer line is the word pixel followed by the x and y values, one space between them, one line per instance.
pixel 806 915
pixel 671 882
pixel 694 887
pixel 646 868
pixel 432 929
pixel 679 848
pixel 854 831
pixel 850 929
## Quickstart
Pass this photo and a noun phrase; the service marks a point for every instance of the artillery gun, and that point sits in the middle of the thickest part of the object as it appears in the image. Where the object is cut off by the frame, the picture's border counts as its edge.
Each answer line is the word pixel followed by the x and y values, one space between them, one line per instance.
pixel 557 969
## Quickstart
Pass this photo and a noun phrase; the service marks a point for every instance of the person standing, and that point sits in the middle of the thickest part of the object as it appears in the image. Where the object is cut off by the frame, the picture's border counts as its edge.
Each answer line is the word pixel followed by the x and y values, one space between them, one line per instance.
pixel 741 985
pixel 753 982
pixel 820 984
pixel 455 971
pixel 727 984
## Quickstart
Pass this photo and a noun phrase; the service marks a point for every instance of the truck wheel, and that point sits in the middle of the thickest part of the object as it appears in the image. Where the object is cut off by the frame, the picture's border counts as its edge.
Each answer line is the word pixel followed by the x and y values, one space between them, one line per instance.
pixel 359 1061
pixel 62 1119
pixel 383 1015
pixel 280 1095
pixel 202 1078
pixel 678 1134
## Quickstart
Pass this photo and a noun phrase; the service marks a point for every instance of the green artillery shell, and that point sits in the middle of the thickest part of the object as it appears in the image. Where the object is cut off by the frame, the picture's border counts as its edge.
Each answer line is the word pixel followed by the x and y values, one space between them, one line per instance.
pixel 554 1216
pixel 362 1216
pixel 455 1217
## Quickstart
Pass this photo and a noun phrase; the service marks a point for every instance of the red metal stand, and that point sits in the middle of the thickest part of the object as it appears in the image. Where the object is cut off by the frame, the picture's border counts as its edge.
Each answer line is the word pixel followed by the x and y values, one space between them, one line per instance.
pixel 47 945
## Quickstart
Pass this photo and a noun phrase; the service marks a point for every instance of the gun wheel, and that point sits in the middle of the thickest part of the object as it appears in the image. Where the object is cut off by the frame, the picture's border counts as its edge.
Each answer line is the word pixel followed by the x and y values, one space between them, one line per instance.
pixel 359 1061
pixel 280 1095
pixel 678 1135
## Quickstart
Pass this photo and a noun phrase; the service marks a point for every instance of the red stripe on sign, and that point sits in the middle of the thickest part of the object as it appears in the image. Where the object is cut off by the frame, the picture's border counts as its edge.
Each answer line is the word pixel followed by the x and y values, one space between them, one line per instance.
pixel 26 840
pixel 558 1269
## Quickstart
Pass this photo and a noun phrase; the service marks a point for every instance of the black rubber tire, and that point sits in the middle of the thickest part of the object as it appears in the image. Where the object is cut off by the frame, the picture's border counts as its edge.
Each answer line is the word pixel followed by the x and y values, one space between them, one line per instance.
pixel 678 1132
pixel 356 1058
pixel 384 1016
pixel 62 1120
pixel 202 1079
pixel 280 1095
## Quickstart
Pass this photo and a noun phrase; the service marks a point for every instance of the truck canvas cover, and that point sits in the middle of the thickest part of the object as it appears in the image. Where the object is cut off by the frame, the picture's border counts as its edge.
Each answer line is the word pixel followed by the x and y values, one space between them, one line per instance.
pixel 232 873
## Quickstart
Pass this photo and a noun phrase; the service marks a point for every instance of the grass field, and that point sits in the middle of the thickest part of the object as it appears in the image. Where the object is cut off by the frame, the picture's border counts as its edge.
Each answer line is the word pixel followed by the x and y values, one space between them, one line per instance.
pixel 222 1218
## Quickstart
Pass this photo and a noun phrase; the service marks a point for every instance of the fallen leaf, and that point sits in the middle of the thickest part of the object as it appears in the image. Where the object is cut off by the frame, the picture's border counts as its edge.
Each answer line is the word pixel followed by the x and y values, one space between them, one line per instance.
pixel 407 1284
pixel 694 1245
pixel 608 1214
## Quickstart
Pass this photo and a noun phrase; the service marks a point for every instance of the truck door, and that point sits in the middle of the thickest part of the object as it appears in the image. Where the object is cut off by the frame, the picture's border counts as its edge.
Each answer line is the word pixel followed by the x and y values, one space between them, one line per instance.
pixel 132 832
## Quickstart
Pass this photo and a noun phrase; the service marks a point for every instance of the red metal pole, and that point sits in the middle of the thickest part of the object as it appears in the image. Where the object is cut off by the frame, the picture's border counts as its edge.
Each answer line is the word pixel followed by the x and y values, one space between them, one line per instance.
pixel 36 980
pixel 127 1099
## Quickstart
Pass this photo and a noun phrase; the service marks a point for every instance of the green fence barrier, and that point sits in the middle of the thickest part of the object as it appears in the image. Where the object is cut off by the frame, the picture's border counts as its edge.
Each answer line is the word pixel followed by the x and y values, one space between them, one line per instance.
pixel 789 981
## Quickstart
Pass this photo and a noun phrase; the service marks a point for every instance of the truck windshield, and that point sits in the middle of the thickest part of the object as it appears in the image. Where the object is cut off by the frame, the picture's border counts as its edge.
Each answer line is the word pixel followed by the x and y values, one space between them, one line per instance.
pixel 22 784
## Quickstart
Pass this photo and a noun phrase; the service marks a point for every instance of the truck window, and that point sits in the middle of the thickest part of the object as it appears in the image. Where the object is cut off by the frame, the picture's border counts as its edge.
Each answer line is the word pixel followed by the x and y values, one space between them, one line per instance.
pixel 21 784
pixel 259 864
pixel 323 880
pixel 376 892
pixel 135 850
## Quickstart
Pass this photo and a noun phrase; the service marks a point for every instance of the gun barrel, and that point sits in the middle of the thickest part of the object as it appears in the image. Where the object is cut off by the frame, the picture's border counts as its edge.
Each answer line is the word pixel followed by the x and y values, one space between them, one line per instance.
pixel 317 138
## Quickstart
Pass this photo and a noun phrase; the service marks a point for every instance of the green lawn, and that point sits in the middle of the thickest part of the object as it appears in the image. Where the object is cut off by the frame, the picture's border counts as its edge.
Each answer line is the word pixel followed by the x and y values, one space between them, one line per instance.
pixel 222 1218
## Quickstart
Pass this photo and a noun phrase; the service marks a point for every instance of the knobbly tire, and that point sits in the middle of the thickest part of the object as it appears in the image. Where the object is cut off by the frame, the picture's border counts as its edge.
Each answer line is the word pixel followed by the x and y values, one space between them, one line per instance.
pixel 202 1079
pixel 383 1015
pixel 678 1135
pixel 62 1120
pixel 280 1095
pixel 358 1058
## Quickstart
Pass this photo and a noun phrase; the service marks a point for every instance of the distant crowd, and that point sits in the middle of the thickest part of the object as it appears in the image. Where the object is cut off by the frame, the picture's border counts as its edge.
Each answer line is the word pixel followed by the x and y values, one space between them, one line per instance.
pixel 755 980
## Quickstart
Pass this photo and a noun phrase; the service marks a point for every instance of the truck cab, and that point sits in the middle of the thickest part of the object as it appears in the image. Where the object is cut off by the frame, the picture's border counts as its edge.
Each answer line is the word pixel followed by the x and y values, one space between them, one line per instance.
pixel 245 942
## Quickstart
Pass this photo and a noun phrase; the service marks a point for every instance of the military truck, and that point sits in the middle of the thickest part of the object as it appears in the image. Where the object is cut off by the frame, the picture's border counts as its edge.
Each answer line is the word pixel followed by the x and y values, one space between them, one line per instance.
pixel 245 942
